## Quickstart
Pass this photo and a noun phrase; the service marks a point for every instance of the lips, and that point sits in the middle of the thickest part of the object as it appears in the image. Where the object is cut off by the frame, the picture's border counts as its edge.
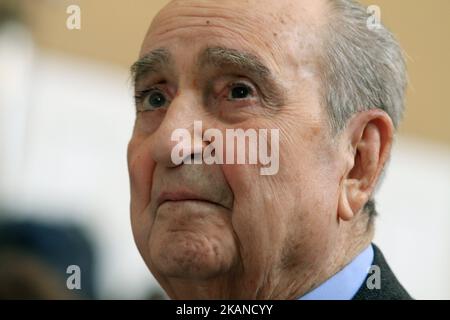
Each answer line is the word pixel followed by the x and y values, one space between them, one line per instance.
pixel 200 183
pixel 184 196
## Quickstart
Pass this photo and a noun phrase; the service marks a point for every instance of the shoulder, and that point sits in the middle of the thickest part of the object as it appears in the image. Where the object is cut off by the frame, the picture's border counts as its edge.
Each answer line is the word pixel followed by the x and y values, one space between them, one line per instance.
pixel 389 287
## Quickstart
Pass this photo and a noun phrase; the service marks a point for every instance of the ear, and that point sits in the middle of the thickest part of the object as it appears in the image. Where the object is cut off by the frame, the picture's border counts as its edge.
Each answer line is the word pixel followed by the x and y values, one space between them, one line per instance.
pixel 366 143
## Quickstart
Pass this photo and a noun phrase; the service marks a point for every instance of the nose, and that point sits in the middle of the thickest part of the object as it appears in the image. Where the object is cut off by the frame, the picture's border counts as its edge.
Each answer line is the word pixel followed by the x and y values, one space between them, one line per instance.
pixel 181 115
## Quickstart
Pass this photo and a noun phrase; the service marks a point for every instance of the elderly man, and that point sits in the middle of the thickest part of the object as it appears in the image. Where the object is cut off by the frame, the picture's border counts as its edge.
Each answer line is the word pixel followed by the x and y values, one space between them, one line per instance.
pixel 333 89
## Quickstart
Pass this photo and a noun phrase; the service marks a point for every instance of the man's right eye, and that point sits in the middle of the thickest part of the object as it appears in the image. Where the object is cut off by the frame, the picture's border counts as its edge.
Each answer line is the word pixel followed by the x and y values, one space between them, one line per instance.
pixel 152 100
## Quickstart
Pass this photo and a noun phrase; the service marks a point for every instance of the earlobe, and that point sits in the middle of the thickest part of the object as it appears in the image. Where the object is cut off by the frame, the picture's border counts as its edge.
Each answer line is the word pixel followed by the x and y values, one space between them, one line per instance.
pixel 352 198
pixel 345 211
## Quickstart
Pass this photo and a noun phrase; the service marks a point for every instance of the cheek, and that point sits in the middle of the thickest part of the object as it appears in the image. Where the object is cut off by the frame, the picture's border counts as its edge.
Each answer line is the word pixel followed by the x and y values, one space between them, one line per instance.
pixel 310 176
pixel 141 167
pixel 258 216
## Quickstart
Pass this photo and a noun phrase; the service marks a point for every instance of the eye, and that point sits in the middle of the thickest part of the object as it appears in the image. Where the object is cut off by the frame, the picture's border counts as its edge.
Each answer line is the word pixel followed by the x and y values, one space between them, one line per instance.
pixel 155 100
pixel 240 91
pixel 151 100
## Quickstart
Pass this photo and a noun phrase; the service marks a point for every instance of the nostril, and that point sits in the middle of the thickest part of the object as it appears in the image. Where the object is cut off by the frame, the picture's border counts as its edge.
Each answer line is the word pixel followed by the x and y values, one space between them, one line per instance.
pixel 195 158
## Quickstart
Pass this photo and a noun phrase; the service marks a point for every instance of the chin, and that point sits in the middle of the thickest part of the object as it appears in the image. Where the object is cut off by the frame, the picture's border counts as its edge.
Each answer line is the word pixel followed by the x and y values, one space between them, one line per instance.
pixel 189 255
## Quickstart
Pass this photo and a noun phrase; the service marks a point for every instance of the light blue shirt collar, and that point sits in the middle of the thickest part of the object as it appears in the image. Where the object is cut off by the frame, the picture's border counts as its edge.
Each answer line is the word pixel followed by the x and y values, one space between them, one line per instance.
pixel 345 284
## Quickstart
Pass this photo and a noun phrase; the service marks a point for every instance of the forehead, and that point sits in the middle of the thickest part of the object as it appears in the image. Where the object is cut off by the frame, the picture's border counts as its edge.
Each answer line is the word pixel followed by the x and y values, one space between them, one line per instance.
pixel 273 30
pixel 283 12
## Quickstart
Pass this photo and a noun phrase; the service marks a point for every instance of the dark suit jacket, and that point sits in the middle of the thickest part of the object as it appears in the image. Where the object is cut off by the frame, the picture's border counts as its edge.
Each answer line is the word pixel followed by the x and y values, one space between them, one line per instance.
pixel 390 288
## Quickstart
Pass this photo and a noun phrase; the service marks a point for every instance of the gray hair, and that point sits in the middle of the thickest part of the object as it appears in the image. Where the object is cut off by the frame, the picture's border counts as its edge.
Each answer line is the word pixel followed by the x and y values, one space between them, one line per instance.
pixel 361 68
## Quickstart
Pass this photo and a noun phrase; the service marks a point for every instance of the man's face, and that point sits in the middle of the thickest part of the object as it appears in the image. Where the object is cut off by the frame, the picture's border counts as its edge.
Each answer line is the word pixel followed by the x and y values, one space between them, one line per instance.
pixel 228 226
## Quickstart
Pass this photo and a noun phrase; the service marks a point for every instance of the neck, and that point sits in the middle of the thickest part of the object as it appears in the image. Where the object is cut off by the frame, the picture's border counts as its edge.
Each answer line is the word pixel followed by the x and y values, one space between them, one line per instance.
pixel 352 241
pixel 287 285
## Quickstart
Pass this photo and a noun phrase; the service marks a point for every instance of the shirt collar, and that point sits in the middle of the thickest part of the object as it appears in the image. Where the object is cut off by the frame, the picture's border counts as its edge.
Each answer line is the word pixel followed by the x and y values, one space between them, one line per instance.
pixel 346 283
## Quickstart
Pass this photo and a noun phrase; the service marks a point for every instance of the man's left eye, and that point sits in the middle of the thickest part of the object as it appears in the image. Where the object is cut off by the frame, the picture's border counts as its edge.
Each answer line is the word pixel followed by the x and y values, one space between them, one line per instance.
pixel 240 91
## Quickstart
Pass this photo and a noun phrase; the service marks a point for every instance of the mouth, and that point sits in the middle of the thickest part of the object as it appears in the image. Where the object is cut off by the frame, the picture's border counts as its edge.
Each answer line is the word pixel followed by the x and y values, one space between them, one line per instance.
pixel 178 196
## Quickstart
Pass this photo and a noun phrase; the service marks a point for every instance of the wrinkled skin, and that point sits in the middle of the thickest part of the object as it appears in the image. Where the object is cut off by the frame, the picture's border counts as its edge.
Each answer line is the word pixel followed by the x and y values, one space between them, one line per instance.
pixel 243 235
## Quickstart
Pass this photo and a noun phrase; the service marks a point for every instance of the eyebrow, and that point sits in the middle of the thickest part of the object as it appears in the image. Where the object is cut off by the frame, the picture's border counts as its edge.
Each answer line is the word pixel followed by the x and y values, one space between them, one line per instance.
pixel 221 58
pixel 152 62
